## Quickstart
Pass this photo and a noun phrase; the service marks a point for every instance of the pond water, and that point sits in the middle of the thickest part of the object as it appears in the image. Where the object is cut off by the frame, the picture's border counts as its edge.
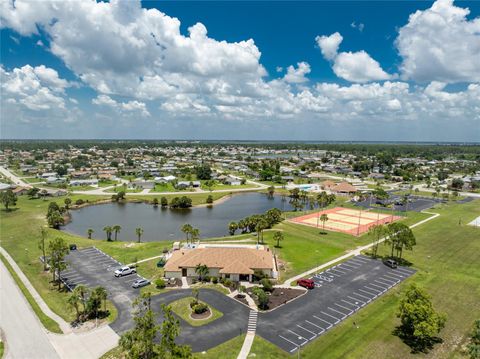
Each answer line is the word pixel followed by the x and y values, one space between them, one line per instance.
pixel 164 224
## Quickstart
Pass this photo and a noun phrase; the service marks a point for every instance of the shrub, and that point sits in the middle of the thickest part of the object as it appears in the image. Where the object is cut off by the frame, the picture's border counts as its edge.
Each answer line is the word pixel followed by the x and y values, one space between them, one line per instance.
pixel 160 283
pixel 256 290
pixel 241 289
pixel 227 282
pixel 209 199
pixel 79 202
pixel 206 279
pixel 200 308
pixel 267 285
pixel 193 303
pixel 214 280
pixel 165 250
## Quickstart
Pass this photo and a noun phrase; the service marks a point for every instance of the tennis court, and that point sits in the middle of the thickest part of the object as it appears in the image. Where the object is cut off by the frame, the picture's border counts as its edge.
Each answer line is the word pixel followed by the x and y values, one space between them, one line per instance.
pixel 346 220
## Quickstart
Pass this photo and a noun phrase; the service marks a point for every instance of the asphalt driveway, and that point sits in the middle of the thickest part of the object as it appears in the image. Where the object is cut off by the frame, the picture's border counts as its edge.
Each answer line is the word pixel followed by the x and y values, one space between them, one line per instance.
pixel 339 292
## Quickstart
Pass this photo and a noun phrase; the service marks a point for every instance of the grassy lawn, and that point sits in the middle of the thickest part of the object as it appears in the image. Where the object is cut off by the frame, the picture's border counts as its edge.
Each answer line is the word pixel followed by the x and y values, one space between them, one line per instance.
pixel 446 257
pixel 221 186
pixel 227 350
pixel 181 307
pixel 217 287
pixel 164 187
pixel 33 180
pixel 47 322
pixel 2 349
pixel 124 189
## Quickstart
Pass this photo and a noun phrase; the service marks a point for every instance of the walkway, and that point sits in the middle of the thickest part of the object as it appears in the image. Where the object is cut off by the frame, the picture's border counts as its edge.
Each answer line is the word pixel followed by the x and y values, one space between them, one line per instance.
pixel 247 343
pixel 24 334
pixel 88 345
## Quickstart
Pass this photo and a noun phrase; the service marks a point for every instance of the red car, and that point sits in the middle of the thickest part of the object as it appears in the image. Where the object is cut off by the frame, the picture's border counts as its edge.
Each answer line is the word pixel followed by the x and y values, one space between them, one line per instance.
pixel 306 283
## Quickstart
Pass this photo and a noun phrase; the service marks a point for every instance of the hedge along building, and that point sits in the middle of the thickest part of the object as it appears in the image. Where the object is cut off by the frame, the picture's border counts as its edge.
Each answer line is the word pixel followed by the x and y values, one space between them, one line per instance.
pixel 234 263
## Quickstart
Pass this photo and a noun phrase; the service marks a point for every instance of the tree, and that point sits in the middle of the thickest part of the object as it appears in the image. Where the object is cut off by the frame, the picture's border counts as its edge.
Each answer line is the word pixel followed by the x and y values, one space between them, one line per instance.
pixel 271 191
pixel 90 232
pixel 82 292
pixel 57 250
pixel 203 172
pixel 42 246
pixel 195 234
pixel 232 227
pixel 169 331
pixel 155 202
pixel 95 300
pixel 420 322
pixel 400 237
pixel 8 198
pixel 278 236
pixel 108 230
pixel 474 346
pixel 262 299
pixel 457 183
pixel 377 232
pixel 68 202
pixel 120 195
pixel 164 202
pixel 55 219
pixel 209 199
pixel 202 271
pixel 139 232
pixel 140 342
pixel 186 229
pixel 116 229
pixel 33 192
pixel 260 227
pixel 323 219
pixel 74 301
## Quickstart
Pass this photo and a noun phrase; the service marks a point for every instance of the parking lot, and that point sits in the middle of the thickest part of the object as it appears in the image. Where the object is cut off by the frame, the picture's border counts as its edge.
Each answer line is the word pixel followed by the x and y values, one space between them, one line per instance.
pixel 416 203
pixel 339 292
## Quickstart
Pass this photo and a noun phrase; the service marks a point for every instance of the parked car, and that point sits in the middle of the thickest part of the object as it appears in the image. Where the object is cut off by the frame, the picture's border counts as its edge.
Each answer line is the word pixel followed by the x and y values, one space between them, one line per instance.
pixel 391 263
pixel 125 270
pixel 140 283
pixel 306 283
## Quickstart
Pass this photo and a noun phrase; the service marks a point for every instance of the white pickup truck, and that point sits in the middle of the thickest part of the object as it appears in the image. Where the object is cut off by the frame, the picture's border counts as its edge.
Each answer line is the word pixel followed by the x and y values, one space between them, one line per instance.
pixel 125 270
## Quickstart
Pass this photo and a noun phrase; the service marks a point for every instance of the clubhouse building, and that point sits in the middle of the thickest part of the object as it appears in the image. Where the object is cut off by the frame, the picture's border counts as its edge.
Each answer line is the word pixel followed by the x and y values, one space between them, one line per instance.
pixel 234 263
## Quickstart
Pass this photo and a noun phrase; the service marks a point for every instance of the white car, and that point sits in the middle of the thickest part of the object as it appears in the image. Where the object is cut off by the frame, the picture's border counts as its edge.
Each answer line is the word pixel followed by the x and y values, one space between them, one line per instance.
pixel 120 272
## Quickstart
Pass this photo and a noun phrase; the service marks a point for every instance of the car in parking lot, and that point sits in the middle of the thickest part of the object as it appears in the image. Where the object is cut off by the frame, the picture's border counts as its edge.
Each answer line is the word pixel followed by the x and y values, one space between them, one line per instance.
pixel 391 263
pixel 306 283
pixel 140 283
pixel 125 270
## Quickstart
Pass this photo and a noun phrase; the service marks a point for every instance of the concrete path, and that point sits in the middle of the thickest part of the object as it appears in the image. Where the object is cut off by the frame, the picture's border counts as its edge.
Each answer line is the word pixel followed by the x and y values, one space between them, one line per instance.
pixel 64 326
pixel 185 283
pixel 88 345
pixel 24 334
pixel 355 252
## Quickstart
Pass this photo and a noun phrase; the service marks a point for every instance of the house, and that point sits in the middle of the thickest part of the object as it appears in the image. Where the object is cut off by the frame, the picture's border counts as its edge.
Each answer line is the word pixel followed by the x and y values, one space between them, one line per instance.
pixel 235 263
pixel 142 184
pixel 84 182
pixel 4 186
pixel 344 188
pixel 20 191
pixel 232 181
pixel 327 184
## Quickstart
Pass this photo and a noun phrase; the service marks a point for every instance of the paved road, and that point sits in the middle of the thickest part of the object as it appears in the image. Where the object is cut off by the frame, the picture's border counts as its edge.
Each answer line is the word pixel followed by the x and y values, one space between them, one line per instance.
pixel 18 181
pixel 25 336
pixel 340 292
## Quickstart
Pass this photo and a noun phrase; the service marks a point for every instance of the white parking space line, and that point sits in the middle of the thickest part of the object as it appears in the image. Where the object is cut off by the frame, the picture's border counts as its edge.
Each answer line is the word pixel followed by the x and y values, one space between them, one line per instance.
pixel 406 271
pixel 374 289
pixel 298 336
pixel 309 331
pixel 382 287
pixel 362 296
pixel 351 304
pixel 385 280
pixel 333 274
pixel 350 265
pixel 331 316
pixel 358 300
pixel 336 311
pixel 337 270
pixel 389 276
pixel 316 326
pixel 360 259
pixel 373 295
pixel 323 320
pixel 357 262
pixel 78 281
pixel 398 275
pixel 343 267
pixel 388 285
pixel 295 344
pixel 341 306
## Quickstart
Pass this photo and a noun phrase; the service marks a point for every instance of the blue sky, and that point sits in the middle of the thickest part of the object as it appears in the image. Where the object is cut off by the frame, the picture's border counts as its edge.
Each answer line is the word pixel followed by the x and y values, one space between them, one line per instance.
pixel 381 70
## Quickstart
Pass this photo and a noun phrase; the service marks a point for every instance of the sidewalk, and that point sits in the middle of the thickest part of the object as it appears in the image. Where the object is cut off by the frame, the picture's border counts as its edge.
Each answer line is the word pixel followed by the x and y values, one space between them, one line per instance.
pixel 70 345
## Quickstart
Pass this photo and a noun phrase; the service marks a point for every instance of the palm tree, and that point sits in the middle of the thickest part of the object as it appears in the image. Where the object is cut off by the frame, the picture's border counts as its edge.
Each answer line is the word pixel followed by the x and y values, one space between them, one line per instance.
pixel 101 293
pixel 201 270
pixel 195 234
pixel 108 230
pixel 139 232
pixel 116 228
pixel 232 227
pixel 323 219
pixel 90 232
pixel 187 229
pixel 377 232
pixel 82 292
pixel 74 301
pixel 278 236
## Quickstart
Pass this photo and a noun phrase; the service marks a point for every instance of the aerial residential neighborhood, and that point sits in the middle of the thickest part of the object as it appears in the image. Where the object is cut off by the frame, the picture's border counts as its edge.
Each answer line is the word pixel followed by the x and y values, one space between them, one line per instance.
pixel 239 179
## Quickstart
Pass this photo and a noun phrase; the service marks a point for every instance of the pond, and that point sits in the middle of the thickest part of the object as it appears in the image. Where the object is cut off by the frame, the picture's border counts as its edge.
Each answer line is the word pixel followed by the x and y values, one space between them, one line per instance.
pixel 164 224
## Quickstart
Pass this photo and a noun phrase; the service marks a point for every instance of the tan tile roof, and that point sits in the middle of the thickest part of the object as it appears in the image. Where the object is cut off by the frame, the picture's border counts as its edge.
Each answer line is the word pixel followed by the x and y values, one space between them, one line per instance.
pixel 328 184
pixel 344 187
pixel 228 260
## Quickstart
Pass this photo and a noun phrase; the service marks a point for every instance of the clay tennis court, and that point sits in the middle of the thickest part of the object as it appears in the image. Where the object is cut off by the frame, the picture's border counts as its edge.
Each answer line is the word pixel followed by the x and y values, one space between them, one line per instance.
pixel 346 220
